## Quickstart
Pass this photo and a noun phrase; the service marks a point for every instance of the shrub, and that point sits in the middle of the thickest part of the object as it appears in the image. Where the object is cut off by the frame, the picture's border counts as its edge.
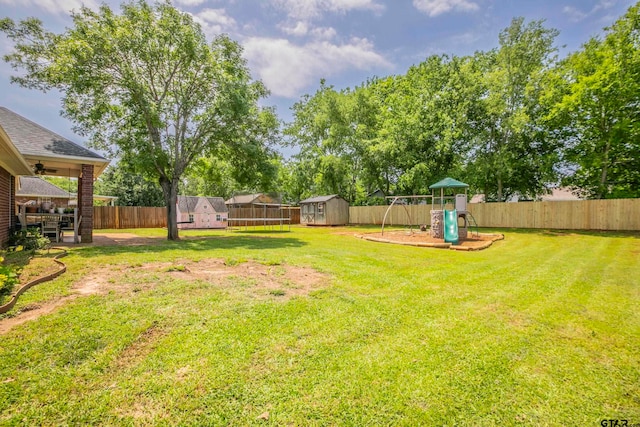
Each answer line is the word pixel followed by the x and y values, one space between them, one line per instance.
pixel 30 239
pixel 8 279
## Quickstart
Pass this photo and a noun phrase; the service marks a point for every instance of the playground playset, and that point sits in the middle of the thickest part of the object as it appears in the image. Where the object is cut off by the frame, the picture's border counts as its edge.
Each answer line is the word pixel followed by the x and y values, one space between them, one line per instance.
pixel 451 224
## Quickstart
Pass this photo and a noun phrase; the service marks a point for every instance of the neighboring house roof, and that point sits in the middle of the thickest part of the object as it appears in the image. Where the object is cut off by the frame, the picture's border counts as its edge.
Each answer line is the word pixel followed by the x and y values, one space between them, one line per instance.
pixel 38 144
pixel 477 198
pixel 218 204
pixel 320 199
pixel 243 199
pixel 377 193
pixel 34 186
pixel 559 195
pixel 448 183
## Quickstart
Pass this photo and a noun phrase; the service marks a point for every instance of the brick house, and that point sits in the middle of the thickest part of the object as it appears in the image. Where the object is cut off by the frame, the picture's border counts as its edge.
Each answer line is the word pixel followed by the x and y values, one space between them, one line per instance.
pixel 12 164
pixel 201 212
pixel 28 149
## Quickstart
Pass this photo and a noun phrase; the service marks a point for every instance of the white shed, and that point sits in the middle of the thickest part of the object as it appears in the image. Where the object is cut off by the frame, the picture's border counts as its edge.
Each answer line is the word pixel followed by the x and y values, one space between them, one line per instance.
pixel 324 210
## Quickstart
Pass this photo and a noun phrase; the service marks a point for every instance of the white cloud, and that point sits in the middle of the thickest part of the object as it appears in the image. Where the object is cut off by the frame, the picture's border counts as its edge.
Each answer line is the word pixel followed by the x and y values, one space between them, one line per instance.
pixel 301 29
pixel 53 6
pixel 326 33
pixel 286 69
pixel 308 9
pixel 574 14
pixel 214 21
pixel 189 3
pixel 438 7
pixel 577 15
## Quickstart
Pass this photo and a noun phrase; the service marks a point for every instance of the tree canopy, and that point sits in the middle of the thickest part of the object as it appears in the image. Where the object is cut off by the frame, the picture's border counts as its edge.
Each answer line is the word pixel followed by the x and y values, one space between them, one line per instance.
pixel 145 84
pixel 597 111
pixel 512 121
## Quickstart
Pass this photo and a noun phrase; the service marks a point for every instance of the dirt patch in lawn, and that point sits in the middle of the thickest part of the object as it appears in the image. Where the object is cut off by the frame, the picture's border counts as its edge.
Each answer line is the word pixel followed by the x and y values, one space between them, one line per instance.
pixel 250 279
pixel 473 242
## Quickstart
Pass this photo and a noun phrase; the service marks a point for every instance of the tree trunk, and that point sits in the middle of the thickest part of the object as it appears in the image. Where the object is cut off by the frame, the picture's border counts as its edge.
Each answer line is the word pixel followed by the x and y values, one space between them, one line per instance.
pixel 170 191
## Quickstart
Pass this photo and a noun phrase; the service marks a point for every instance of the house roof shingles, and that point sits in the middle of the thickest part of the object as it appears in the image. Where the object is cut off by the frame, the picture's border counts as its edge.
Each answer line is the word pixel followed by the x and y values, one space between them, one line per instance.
pixel 34 186
pixel 187 204
pixel 32 139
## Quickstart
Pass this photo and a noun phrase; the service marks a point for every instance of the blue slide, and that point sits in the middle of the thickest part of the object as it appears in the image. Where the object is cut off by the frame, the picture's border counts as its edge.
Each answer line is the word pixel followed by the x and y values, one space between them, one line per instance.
pixel 451 226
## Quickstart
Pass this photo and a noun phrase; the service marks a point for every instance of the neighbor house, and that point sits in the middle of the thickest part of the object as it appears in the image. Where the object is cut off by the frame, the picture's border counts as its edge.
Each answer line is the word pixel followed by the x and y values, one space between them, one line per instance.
pixel 201 212
pixel 324 210
pixel 35 191
pixel 28 149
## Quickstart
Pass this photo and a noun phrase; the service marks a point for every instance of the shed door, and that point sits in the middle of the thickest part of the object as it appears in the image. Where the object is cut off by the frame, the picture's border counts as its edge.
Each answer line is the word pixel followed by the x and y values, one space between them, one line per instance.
pixel 308 214
pixel 320 214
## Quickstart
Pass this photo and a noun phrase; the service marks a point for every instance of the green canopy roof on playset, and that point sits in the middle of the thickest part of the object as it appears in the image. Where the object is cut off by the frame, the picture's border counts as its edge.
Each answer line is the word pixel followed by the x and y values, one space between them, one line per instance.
pixel 448 183
pixel 444 184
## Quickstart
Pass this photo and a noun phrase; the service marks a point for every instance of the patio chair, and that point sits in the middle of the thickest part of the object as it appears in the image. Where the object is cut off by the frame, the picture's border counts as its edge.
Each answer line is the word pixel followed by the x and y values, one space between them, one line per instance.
pixel 51 225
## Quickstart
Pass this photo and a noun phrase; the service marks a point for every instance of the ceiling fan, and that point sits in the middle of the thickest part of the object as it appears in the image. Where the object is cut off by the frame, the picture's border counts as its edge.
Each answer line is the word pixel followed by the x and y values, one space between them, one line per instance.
pixel 39 169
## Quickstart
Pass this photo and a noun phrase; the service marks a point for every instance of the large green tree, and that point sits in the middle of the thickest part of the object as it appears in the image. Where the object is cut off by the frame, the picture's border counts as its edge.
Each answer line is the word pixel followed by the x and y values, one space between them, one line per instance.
pixel 511 152
pixel 131 188
pixel 597 114
pixel 324 129
pixel 253 167
pixel 144 83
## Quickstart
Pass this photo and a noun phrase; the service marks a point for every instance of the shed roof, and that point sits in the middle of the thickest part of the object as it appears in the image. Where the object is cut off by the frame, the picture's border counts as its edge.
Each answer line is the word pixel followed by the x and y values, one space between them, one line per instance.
pixel 218 204
pixel 448 183
pixel 320 199
pixel 187 203
pixel 34 186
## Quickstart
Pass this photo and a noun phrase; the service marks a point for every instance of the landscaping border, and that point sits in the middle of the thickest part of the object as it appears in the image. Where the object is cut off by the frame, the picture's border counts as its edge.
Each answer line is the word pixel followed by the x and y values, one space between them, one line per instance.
pixel 439 245
pixel 15 295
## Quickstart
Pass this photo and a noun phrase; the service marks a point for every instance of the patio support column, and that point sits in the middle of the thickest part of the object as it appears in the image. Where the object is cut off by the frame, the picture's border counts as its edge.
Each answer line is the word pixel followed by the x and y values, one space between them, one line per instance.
pixel 85 203
pixel 12 202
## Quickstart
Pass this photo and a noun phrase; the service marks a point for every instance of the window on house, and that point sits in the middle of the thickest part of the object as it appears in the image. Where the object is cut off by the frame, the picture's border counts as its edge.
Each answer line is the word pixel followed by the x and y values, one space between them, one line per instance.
pixel 321 208
pixel 218 217
pixel 190 217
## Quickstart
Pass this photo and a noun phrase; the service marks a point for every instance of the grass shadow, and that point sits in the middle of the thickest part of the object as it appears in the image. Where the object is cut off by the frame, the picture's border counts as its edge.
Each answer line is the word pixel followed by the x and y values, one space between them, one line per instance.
pixel 561 233
pixel 193 243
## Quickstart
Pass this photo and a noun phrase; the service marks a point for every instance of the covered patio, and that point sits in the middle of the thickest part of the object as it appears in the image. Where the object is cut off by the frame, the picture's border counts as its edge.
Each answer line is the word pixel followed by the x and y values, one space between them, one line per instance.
pixel 47 153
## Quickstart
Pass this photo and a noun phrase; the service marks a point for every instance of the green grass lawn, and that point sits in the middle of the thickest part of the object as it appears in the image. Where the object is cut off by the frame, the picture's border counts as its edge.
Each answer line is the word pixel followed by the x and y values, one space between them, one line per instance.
pixel 542 328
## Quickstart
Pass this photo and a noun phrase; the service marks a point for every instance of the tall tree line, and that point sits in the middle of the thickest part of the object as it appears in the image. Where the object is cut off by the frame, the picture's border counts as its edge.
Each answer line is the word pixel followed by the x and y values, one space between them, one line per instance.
pixel 515 120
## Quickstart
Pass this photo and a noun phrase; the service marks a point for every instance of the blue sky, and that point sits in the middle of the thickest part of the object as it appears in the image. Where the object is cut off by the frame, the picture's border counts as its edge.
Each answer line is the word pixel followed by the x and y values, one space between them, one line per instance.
pixel 291 44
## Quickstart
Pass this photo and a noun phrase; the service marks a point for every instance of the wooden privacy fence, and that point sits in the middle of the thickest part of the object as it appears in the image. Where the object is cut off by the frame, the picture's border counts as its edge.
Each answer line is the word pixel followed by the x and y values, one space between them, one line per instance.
pixel 114 217
pixel 616 214
pixel 129 217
